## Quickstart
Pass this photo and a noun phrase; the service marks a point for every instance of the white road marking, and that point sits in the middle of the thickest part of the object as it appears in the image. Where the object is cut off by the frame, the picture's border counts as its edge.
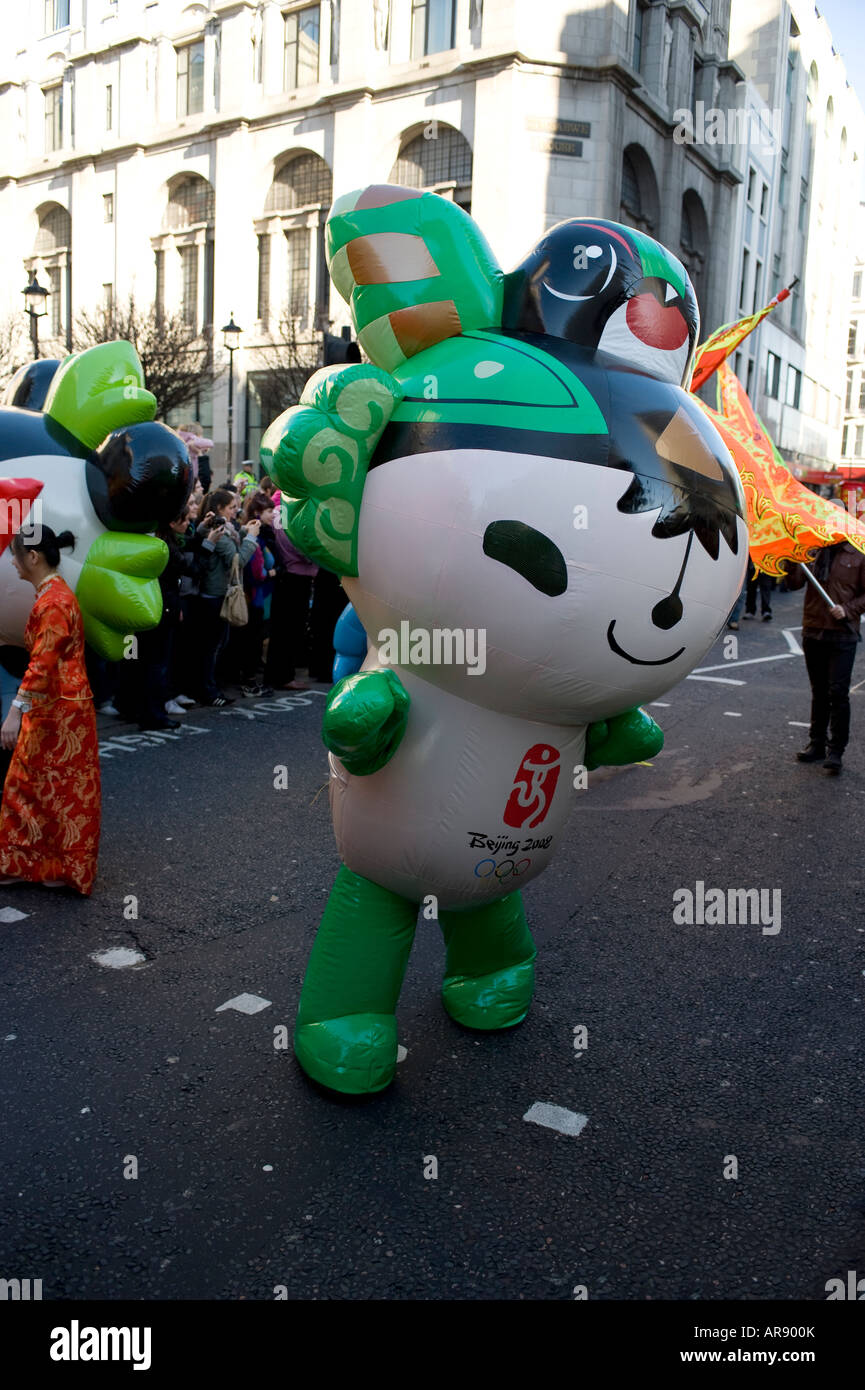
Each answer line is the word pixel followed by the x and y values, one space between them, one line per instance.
pixel 732 714
pixel 659 704
pixel 11 914
pixel 118 957
pixel 797 724
pixel 401 1052
pixel 791 641
pixel 716 680
pixel 556 1117
pixel 857 687
pixel 751 661
pixel 245 1004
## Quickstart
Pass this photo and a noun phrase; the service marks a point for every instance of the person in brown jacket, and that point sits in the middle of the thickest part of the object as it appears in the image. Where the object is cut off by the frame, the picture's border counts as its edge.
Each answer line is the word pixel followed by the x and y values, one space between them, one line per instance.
pixel 830 638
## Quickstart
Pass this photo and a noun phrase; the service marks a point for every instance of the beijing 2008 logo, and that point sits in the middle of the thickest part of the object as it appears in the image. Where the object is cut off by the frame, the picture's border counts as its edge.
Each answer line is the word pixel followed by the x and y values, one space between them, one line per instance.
pixel 534 786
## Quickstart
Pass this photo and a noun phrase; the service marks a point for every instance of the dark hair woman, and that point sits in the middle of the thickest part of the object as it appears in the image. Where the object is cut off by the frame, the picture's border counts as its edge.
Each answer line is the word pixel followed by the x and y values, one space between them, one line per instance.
pixel 220 544
pixel 50 819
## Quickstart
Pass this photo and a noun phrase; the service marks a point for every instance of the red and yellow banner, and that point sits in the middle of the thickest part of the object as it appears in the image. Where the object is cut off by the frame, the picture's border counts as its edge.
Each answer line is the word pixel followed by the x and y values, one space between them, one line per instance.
pixel 786 521
pixel 723 341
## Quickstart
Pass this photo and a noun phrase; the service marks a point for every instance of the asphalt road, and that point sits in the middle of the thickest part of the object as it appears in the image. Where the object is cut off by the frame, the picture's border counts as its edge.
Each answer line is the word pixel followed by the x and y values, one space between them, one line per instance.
pixel 704 1042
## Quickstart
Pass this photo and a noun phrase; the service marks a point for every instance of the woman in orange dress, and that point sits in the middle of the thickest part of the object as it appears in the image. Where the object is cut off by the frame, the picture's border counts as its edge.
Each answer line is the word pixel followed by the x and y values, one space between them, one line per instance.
pixel 50 818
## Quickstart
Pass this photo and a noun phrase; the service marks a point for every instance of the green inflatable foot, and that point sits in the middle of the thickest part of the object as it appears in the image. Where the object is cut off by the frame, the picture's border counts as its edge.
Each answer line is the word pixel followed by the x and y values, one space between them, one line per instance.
pixel 500 999
pixel 354 1054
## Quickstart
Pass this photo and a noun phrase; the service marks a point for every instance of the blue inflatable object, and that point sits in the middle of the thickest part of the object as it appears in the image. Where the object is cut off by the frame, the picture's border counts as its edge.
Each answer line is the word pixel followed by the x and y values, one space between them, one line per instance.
pixel 349 643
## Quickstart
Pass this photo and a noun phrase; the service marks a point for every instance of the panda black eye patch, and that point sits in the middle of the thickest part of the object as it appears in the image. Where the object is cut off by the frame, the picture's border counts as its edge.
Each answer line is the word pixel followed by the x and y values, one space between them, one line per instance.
pixel 529 553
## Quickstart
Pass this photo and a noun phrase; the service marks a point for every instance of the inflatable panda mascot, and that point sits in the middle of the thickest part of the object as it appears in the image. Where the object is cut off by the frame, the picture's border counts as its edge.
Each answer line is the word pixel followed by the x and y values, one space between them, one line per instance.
pixel 539 530
pixel 81 451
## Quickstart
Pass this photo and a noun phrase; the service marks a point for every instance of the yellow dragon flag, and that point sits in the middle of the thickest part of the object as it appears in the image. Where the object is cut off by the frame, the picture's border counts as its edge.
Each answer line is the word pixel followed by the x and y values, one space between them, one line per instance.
pixel 786 521
pixel 723 341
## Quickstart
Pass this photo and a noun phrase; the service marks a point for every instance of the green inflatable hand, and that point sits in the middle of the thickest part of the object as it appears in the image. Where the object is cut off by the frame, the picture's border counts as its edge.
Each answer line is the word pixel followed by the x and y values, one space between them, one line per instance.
pixel 98 390
pixel 319 451
pixel 626 738
pixel 365 719
pixel 118 592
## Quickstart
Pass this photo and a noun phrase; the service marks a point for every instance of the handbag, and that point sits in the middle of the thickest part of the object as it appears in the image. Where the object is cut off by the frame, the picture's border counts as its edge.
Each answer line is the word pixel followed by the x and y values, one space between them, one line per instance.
pixel 235 609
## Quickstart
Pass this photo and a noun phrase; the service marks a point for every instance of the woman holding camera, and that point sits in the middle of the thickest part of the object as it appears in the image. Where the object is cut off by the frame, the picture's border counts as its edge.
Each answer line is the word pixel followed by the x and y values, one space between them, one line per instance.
pixel 50 819
pixel 221 543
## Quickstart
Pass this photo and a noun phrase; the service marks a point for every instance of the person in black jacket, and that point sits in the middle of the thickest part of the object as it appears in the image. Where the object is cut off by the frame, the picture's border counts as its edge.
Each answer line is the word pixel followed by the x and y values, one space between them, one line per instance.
pixel 830 640
pixel 155 646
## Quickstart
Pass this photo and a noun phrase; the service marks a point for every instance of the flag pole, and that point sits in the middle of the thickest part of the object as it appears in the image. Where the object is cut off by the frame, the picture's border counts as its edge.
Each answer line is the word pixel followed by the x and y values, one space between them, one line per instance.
pixel 817 586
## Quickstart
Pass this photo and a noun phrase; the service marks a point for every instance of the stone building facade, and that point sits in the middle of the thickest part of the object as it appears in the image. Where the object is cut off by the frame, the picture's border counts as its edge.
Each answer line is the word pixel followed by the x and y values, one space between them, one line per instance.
pixel 187 152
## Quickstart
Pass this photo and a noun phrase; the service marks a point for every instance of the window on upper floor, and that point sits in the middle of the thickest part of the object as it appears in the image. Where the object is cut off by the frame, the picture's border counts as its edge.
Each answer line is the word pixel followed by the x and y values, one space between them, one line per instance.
pixel 844 440
pixel 848 399
pixel 55 274
pixel 764 201
pixel 189 285
pixel 190 79
pixel 53 117
pixel 108 207
pixel 794 386
pixel 432 26
pixel 758 281
pixel 56 15
pixel 857 284
pixel 773 375
pixel 803 204
pixel 862 393
pixel 297 278
pixel 639 21
pixel 752 182
pixel 263 279
pixel 851 338
pixel 302 42
pixel 159 289
pixel 859 432
pixel 743 281
pixel 109 106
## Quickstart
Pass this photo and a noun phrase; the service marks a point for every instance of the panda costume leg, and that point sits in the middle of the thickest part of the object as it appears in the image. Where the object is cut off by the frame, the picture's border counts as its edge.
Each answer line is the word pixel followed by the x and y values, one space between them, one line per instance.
pixel 345 1036
pixel 490 971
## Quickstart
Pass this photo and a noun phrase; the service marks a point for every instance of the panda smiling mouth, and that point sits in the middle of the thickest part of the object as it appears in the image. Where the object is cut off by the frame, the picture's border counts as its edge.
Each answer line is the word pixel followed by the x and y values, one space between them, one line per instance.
pixel 637 660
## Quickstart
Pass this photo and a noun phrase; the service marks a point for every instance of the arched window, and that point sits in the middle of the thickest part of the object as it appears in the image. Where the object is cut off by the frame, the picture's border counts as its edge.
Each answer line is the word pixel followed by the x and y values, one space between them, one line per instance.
pixel 185 251
pixel 55 231
pixel 53 248
pixel 630 188
pixel 694 240
pixel 302 181
pixel 190 202
pixel 830 117
pixel 439 160
pixel 812 84
pixel 292 277
pixel 639 204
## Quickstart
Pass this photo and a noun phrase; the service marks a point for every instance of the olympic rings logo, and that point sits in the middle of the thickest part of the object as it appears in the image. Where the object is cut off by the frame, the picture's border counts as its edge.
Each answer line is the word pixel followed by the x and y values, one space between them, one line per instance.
pixel 503 870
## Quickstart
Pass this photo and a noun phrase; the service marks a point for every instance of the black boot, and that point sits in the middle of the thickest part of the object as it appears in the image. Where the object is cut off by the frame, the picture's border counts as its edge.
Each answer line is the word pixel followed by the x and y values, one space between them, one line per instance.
pixel 814 753
pixel 833 764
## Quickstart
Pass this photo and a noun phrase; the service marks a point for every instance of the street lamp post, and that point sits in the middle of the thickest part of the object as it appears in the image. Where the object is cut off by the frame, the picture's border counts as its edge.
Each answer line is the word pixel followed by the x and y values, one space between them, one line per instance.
pixel 34 305
pixel 231 339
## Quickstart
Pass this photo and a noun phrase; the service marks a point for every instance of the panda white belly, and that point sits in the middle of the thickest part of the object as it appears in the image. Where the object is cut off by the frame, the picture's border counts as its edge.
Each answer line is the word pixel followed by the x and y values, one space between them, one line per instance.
pixel 470 807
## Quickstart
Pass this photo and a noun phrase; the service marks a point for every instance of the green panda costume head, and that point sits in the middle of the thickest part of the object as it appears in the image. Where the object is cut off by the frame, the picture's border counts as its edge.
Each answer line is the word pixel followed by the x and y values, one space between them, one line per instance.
pixel 521 458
